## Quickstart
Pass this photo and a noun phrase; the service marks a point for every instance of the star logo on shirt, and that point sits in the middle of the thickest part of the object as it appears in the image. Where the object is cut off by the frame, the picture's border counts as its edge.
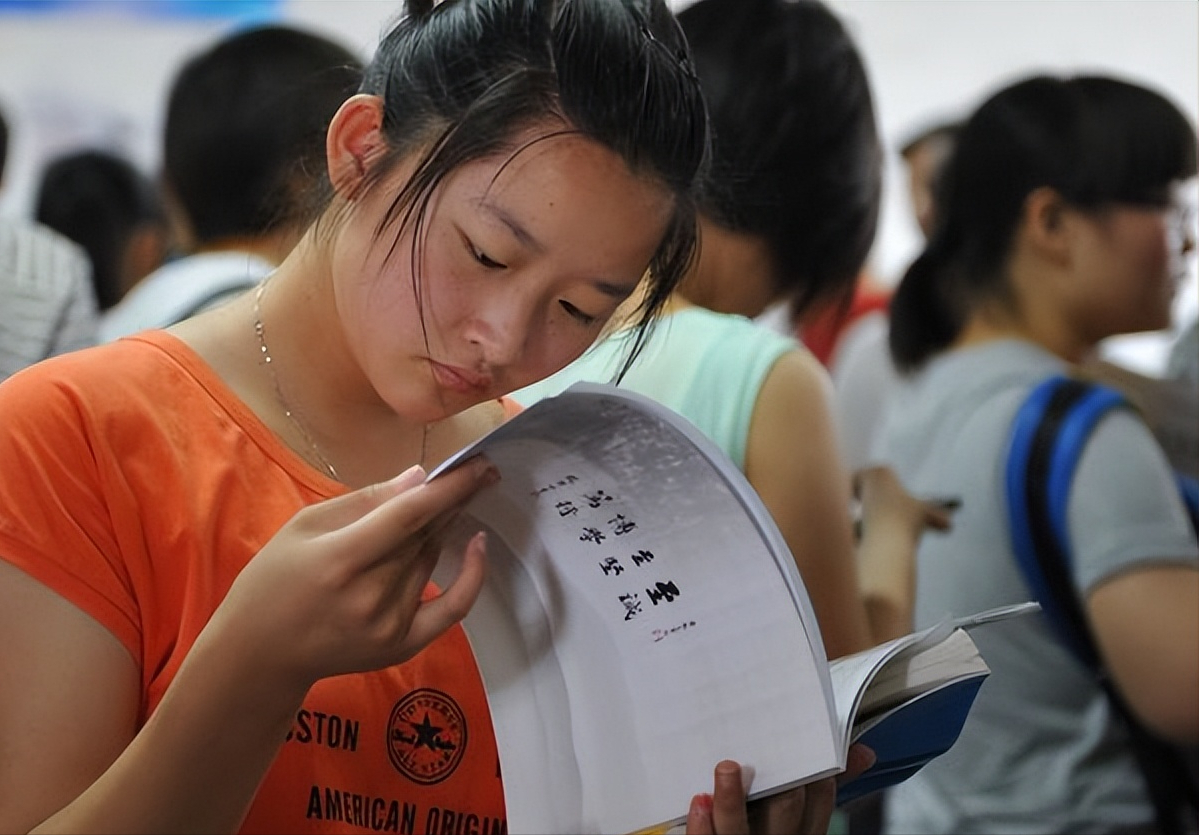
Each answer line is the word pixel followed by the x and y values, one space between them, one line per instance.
pixel 426 736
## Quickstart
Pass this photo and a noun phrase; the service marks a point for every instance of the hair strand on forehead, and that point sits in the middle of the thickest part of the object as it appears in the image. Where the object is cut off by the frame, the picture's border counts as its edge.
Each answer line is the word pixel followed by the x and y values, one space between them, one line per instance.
pixel 463 80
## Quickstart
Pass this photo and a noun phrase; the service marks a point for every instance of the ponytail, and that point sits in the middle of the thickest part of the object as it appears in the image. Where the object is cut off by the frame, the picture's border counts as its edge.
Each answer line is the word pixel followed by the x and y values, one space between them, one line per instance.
pixel 924 320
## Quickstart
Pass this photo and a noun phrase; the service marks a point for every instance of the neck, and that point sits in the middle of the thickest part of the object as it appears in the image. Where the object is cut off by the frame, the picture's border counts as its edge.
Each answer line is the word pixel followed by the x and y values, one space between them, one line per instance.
pixel 733 274
pixel 322 403
pixel 1036 324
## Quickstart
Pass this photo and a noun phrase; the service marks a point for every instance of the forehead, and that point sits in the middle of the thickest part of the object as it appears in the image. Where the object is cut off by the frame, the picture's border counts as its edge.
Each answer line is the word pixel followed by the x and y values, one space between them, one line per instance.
pixel 562 184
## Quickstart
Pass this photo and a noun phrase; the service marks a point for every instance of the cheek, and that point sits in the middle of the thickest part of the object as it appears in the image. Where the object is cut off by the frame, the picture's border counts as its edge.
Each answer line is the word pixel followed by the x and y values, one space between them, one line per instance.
pixel 551 348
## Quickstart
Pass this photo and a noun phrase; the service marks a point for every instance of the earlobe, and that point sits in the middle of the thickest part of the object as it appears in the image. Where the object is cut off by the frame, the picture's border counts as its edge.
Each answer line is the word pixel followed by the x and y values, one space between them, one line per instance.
pixel 354 139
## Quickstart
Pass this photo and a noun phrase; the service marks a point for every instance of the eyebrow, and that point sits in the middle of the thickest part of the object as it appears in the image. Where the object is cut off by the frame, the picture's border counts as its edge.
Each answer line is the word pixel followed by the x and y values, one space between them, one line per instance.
pixel 616 291
pixel 519 232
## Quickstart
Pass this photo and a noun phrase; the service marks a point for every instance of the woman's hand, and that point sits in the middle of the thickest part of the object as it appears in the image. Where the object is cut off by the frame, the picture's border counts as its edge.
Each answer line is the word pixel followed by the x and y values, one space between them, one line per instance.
pixel 889 509
pixel 338 589
pixel 893 520
pixel 805 810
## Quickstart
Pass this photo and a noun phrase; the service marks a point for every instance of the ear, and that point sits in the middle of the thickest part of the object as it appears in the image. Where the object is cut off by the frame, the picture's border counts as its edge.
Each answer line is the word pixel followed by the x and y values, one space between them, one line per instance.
pixel 1047 224
pixel 354 140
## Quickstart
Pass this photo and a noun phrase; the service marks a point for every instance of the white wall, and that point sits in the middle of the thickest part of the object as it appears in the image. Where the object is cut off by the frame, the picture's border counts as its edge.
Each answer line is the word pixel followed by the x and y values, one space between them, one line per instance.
pixel 105 76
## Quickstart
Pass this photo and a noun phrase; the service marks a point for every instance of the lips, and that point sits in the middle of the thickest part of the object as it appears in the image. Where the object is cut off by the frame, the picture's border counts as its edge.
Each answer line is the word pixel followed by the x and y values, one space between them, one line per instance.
pixel 461 380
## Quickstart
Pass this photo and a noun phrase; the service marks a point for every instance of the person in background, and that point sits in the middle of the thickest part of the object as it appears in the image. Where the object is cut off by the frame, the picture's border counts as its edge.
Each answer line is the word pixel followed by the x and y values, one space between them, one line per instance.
pixel 925 154
pixel 1058 226
pixel 212 533
pixel 855 339
pixel 788 215
pixel 1182 362
pixel 47 306
pixel 102 202
pixel 243 145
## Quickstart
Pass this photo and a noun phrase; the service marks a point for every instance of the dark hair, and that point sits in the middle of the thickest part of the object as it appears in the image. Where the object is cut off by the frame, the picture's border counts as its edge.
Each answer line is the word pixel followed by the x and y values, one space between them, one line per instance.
pixel 796 153
pixel 245 129
pixel 3 142
pixel 461 79
pixel 98 200
pixel 1096 141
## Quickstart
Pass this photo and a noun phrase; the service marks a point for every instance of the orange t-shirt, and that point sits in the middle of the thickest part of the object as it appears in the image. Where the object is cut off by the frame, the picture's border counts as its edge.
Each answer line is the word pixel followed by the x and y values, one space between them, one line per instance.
pixel 137 485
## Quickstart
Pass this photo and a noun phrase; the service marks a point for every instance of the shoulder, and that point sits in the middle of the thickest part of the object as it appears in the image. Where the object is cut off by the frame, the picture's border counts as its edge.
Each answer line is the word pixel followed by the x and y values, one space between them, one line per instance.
pixel 793 410
pixel 731 349
pixel 796 380
pixel 84 381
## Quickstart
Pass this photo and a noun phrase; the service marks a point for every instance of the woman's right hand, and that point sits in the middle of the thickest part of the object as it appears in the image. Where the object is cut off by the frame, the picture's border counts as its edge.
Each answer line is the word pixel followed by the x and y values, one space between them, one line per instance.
pixel 804 810
pixel 338 589
pixel 893 521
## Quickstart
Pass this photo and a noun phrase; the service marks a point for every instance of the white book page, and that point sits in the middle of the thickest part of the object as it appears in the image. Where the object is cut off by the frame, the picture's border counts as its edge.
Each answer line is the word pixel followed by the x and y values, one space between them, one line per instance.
pixel 853 674
pixel 656 641
pixel 909 675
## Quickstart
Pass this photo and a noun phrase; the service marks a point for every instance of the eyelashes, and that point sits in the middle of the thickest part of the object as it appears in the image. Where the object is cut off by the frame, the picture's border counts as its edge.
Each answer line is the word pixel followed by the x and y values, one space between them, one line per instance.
pixel 487 262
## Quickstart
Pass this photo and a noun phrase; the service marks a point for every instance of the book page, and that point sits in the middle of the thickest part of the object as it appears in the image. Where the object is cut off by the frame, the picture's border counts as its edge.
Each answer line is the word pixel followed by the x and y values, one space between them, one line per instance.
pixel 636 626
pixel 851 674
pixel 886 668
pixel 907 676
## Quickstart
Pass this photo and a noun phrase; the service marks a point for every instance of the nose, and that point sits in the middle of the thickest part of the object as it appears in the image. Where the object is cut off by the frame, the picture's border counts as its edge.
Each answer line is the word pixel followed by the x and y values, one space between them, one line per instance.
pixel 501 326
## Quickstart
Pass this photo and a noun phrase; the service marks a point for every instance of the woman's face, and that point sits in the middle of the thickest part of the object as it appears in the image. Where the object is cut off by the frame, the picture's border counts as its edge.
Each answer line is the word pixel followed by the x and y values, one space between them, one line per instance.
pixel 522 259
pixel 1133 260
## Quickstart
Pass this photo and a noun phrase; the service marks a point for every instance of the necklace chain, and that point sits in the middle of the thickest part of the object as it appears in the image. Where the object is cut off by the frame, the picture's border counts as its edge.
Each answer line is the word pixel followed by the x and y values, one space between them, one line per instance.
pixel 260 332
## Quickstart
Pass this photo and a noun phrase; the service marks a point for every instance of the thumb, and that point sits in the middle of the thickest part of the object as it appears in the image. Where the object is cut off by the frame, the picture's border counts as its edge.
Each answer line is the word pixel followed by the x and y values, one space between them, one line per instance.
pixel 406 480
pixel 349 507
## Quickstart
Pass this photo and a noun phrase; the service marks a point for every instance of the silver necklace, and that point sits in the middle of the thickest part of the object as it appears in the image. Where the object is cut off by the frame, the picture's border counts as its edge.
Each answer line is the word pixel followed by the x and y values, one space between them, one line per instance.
pixel 260 332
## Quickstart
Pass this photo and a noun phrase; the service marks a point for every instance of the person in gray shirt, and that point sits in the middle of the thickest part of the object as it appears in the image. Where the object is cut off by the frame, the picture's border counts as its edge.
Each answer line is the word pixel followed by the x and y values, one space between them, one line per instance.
pixel 1056 230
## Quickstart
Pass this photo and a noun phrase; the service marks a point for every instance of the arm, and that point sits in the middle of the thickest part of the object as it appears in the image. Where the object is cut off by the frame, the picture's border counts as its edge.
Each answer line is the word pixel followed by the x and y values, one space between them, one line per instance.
pixel 1146 623
pixel 337 590
pixel 893 521
pixel 1136 567
pixel 792 462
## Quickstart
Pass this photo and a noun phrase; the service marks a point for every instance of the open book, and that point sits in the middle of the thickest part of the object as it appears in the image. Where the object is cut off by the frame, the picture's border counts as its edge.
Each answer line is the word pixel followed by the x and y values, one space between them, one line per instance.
pixel 642 619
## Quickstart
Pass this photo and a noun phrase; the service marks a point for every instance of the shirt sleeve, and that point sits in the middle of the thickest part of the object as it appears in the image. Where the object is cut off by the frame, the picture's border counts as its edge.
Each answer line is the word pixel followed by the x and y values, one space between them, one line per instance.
pixel 1125 510
pixel 55 523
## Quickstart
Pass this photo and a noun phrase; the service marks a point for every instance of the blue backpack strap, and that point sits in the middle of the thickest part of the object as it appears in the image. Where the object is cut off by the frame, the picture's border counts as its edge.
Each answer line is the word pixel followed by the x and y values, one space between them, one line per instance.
pixel 1048 436
pixel 1049 433
pixel 1188 487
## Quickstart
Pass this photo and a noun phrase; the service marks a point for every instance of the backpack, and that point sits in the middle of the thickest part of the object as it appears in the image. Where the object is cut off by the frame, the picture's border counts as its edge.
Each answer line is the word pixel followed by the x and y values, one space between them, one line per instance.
pixel 1048 436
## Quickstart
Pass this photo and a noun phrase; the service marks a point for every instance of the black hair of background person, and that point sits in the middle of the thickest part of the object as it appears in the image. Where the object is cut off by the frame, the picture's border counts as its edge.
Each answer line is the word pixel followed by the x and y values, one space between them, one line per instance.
pixel 245 126
pixel 796 153
pixel 100 201
pixel 3 143
pixel 1097 141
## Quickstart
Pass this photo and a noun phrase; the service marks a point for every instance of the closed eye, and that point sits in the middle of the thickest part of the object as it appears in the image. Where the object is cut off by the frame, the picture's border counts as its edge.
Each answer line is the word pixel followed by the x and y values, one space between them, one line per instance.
pixel 480 256
pixel 489 263
pixel 575 313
